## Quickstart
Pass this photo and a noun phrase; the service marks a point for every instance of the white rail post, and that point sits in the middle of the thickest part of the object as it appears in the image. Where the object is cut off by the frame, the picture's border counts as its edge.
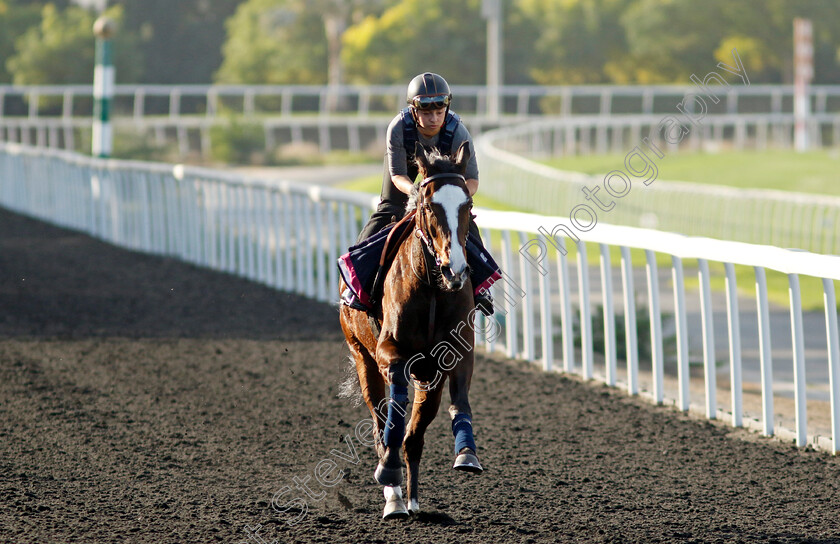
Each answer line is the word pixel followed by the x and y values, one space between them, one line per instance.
pixel 656 346
pixel 260 234
pixel 224 227
pixel 276 200
pixel 630 332
pixel 709 370
pixel 511 324
pixel 527 303
pixel 682 332
pixel 735 382
pixel 242 229
pixel 303 235
pixel 547 335
pixel 609 315
pixel 830 303
pixel 332 252
pixel 585 313
pixel 566 316
pixel 765 351
pixel 320 250
pixel 798 341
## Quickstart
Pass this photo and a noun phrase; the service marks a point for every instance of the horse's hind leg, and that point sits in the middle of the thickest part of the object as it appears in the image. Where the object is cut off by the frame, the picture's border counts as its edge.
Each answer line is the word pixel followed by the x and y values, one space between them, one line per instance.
pixel 373 389
pixel 426 404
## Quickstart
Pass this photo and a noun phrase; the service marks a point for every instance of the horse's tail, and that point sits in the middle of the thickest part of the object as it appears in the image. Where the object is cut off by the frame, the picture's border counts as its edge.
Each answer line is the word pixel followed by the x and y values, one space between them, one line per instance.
pixel 350 388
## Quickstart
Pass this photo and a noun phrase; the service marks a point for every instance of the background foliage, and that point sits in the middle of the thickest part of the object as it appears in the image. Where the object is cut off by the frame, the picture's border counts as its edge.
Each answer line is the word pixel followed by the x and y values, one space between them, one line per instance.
pixel 388 41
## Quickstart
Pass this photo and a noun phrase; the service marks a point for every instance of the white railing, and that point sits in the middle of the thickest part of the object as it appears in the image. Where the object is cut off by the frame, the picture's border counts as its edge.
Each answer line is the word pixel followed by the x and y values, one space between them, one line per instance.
pixel 354 117
pixel 810 222
pixel 209 218
pixel 288 236
pixel 140 101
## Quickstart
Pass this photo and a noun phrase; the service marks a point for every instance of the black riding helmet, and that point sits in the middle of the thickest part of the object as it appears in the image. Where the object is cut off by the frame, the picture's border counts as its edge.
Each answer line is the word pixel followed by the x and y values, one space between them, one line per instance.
pixel 428 91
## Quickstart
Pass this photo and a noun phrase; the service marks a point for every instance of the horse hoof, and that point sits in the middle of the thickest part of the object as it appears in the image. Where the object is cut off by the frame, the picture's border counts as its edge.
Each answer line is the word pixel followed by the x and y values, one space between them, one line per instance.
pixel 388 476
pixel 394 504
pixel 468 462
pixel 413 507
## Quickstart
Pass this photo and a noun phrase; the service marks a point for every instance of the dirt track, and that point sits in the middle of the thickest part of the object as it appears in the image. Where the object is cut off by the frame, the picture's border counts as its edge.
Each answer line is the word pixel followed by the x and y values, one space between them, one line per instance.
pixel 144 400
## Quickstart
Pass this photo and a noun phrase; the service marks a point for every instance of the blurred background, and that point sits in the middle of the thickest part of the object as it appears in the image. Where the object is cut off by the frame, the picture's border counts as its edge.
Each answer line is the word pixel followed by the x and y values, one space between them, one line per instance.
pixel 546 42
pixel 253 81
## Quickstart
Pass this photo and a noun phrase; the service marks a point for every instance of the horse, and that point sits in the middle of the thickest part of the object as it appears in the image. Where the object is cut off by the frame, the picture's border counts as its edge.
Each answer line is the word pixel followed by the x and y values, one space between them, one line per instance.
pixel 425 332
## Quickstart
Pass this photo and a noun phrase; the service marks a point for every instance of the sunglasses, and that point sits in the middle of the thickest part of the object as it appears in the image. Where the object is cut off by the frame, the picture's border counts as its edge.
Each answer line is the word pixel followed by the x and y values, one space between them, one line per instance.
pixel 437 102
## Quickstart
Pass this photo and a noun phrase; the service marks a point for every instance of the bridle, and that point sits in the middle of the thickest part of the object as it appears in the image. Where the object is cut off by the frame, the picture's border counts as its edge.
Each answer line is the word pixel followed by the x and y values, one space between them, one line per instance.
pixel 422 227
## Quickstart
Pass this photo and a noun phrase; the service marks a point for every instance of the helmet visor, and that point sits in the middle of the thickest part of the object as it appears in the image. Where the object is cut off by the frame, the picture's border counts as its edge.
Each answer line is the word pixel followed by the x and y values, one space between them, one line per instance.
pixel 431 102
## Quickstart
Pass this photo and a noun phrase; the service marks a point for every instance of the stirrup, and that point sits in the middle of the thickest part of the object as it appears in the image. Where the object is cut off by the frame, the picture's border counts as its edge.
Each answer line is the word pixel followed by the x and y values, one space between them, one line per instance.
pixel 349 298
pixel 484 302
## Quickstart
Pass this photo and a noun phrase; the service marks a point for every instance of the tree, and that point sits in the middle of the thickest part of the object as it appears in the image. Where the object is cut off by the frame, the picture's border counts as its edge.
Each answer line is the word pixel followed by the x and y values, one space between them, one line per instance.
pixel 16 17
pixel 274 41
pixel 181 40
pixel 578 41
pixel 61 49
pixel 338 16
pixel 289 41
pixel 671 39
pixel 414 36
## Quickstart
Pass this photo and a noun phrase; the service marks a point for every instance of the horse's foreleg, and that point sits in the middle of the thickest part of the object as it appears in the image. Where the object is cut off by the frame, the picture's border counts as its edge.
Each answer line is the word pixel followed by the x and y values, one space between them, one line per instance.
pixel 426 404
pixel 389 470
pixel 459 387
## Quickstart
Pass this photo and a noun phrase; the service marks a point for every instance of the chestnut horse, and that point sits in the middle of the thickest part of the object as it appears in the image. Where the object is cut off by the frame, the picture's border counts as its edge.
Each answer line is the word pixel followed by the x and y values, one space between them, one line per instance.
pixel 425 332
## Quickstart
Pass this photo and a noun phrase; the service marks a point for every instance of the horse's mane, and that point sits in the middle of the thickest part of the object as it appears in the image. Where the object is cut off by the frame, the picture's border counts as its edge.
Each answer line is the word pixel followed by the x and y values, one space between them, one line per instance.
pixel 439 164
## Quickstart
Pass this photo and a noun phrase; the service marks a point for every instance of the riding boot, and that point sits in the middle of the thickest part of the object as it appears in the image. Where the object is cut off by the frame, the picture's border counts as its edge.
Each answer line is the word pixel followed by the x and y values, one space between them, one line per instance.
pixel 484 302
pixel 348 298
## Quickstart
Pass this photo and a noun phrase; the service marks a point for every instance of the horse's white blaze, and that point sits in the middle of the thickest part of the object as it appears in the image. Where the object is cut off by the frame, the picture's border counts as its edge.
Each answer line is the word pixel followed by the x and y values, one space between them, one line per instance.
pixel 451 198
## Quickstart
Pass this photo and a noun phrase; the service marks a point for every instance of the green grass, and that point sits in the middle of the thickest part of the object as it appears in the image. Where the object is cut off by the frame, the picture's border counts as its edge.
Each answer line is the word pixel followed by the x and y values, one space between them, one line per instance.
pixel 784 170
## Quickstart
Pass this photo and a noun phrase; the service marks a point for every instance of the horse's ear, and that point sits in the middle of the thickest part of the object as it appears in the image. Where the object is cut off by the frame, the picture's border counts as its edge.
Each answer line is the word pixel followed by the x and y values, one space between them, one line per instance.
pixel 462 156
pixel 420 155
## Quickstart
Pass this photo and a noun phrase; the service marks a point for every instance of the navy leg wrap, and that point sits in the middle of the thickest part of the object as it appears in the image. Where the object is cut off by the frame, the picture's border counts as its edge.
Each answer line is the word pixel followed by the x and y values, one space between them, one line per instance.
pixel 395 426
pixel 463 431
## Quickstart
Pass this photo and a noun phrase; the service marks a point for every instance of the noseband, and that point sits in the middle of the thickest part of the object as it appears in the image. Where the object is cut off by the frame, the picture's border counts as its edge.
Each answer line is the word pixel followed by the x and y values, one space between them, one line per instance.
pixel 422 228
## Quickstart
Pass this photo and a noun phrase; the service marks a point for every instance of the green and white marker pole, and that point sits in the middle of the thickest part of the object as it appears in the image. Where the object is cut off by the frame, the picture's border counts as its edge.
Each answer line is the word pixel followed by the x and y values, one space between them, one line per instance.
pixel 103 88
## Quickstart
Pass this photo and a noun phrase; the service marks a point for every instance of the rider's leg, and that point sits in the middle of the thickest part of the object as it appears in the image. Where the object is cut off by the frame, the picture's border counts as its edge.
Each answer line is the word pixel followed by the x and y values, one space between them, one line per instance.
pixel 386 213
pixel 391 208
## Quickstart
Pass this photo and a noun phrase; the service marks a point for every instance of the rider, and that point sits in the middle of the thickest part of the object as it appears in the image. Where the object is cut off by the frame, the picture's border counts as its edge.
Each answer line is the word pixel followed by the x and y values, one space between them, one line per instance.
pixel 427 119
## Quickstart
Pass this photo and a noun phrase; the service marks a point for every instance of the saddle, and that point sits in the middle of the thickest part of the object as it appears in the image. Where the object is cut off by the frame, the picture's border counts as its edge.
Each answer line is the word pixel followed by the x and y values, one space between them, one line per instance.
pixel 400 231
pixel 366 264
